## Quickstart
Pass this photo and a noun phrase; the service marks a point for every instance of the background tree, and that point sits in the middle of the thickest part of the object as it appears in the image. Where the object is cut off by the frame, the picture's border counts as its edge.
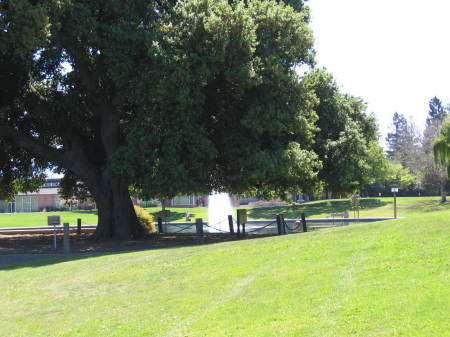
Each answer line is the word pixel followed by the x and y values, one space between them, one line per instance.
pixel 166 97
pixel 437 112
pixel 441 148
pixel 404 144
pixel 346 137
pixel 394 138
pixel 434 177
pixel 392 174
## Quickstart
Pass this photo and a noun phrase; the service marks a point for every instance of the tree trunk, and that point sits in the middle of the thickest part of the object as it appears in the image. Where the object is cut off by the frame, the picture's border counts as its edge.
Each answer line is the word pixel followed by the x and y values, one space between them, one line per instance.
pixel 443 188
pixel 116 216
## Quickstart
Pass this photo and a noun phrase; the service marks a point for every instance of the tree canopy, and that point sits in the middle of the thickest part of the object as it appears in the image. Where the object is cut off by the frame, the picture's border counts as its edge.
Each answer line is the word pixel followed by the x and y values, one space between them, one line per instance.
pixel 172 97
pixel 346 139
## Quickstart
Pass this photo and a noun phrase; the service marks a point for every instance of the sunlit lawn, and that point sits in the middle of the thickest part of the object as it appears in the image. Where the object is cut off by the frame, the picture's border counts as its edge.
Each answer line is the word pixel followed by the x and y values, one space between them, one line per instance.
pixel 40 218
pixel 407 207
pixel 387 278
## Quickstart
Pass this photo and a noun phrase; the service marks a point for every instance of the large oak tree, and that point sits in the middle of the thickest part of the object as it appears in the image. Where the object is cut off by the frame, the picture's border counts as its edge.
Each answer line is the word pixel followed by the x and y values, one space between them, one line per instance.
pixel 161 95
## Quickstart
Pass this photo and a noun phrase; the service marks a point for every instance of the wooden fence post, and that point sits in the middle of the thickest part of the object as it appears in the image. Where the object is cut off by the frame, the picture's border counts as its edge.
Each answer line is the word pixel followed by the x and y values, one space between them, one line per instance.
pixel 199 230
pixel 78 226
pixel 279 224
pixel 160 225
pixel 66 238
pixel 305 229
pixel 238 228
pixel 283 225
pixel 230 223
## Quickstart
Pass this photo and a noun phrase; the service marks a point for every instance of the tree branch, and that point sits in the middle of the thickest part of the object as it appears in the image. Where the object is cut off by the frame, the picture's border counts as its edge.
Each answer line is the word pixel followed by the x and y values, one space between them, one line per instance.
pixel 73 160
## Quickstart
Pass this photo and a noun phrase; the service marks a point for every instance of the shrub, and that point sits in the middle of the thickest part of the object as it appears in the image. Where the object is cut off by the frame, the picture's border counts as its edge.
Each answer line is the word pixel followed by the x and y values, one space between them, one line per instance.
pixel 145 219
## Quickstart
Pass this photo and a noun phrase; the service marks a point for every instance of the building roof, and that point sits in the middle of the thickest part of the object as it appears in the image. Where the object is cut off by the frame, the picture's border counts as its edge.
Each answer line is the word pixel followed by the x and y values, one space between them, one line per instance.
pixel 42 191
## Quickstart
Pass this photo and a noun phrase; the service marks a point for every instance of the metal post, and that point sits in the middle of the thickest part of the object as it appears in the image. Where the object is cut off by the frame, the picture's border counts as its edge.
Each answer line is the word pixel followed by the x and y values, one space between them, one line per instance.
pixel 66 238
pixel 199 230
pixel 279 224
pixel 230 223
pixel 395 205
pixel 243 230
pixel 305 229
pixel 78 226
pixel 160 225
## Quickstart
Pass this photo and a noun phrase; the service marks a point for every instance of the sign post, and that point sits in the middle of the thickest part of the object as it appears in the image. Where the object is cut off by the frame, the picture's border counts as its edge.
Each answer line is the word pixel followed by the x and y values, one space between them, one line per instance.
pixel 395 191
pixel 54 220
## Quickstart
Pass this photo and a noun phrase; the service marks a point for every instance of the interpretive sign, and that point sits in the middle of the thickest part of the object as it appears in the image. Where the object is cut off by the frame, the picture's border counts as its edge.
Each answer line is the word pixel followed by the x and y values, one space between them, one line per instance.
pixel 53 220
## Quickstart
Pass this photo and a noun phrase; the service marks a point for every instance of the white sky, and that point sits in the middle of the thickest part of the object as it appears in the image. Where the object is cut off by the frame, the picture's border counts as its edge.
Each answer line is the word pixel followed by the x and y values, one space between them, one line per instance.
pixel 394 54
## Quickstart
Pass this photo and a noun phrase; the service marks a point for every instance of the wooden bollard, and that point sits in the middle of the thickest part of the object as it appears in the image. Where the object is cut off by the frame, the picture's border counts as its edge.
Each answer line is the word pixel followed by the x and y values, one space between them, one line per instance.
pixel 199 230
pixel 279 224
pixel 160 225
pixel 230 223
pixel 66 238
pixel 78 226
pixel 283 225
pixel 305 228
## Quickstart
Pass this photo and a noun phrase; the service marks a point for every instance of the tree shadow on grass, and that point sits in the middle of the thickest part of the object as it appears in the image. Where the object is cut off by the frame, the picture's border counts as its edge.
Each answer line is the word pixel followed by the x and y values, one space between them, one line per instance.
pixel 174 216
pixel 43 255
pixel 324 208
pixel 41 260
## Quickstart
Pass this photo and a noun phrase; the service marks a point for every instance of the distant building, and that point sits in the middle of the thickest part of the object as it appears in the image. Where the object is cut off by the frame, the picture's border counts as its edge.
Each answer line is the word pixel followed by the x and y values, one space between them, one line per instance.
pixel 47 198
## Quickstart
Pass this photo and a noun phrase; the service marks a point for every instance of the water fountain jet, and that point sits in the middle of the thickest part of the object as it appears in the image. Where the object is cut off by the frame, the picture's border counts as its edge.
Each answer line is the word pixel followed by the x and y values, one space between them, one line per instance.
pixel 219 207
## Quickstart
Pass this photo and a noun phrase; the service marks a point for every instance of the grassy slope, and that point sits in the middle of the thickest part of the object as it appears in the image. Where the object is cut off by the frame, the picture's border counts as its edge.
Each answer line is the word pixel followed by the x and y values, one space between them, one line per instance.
pixel 380 279
pixel 315 209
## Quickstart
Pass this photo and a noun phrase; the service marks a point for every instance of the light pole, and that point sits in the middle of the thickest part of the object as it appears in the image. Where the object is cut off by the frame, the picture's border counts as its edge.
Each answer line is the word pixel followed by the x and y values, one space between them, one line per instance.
pixel 395 191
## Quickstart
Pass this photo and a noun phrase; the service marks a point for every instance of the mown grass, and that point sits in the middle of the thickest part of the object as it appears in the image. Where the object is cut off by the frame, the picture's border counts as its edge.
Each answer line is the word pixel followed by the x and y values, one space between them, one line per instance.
pixel 388 278
pixel 407 206
pixel 40 218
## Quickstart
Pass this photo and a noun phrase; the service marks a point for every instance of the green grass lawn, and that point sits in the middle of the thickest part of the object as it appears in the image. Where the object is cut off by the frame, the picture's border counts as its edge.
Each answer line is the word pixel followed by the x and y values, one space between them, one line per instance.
pixel 40 218
pixel 388 278
pixel 407 206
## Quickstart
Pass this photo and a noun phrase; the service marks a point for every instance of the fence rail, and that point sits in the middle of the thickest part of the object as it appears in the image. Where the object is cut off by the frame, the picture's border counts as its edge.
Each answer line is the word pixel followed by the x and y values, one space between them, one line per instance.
pixel 270 227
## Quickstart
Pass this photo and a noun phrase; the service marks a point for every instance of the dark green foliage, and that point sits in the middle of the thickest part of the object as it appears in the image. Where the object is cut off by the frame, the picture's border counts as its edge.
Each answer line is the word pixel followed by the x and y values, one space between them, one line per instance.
pixel 346 141
pixel 231 113
pixel 172 97
pixel 165 97
pixel 18 171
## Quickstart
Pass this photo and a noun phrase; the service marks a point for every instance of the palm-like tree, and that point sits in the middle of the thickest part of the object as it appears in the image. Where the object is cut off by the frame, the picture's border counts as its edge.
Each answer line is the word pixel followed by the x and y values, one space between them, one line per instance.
pixel 441 147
